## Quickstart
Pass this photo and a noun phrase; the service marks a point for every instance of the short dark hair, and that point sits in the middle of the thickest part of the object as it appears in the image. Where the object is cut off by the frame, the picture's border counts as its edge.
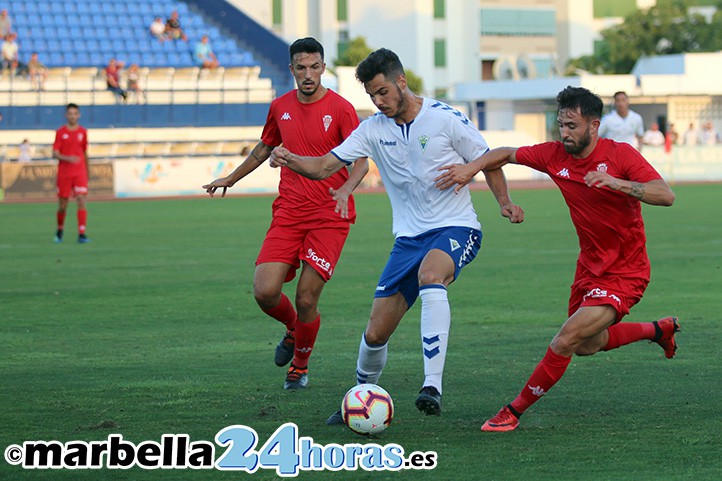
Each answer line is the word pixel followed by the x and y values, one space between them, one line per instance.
pixel 589 103
pixel 382 61
pixel 621 92
pixel 71 106
pixel 305 45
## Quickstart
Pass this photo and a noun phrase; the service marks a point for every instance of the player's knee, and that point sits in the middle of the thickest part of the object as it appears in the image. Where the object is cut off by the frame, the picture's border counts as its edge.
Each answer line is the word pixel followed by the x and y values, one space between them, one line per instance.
pixel 374 337
pixel 430 277
pixel 306 303
pixel 267 298
pixel 565 344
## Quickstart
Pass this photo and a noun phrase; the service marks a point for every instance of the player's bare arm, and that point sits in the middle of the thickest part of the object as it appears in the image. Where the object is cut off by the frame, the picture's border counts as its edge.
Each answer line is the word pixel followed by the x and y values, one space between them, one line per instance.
pixel 258 155
pixel 460 175
pixel 654 192
pixel 496 181
pixel 356 175
pixel 316 168
pixel 73 159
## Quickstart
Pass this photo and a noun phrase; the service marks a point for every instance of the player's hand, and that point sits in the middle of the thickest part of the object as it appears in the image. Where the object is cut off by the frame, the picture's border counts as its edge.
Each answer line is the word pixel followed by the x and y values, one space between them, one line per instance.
pixel 279 157
pixel 341 197
pixel 217 184
pixel 602 179
pixel 513 212
pixel 456 174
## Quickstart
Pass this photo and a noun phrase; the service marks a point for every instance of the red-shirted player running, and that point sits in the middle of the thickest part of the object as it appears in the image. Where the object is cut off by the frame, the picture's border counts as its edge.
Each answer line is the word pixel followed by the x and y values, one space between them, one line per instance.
pixel 71 150
pixel 311 218
pixel 602 182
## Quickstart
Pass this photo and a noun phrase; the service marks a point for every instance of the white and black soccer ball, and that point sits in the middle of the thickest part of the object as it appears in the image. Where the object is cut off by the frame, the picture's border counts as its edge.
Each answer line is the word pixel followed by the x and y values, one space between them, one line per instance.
pixel 367 409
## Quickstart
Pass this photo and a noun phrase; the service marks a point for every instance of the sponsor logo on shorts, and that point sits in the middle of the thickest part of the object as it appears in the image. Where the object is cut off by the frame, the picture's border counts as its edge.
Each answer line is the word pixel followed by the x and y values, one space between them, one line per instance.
pixel 454 244
pixel 319 261
pixel 598 293
pixel 380 288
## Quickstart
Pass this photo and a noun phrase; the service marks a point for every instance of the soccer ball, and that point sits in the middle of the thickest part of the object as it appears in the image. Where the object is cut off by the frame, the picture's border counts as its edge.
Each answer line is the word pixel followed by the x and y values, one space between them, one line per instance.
pixel 367 409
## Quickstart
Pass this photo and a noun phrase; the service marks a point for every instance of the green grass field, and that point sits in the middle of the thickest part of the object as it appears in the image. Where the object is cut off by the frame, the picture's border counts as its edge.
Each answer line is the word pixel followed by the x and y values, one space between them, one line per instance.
pixel 152 329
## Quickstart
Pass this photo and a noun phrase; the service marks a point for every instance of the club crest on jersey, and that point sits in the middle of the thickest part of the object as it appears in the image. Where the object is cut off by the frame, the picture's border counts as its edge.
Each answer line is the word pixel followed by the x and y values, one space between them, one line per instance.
pixel 327 119
pixel 602 167
pixel 454 244
pixel 423 140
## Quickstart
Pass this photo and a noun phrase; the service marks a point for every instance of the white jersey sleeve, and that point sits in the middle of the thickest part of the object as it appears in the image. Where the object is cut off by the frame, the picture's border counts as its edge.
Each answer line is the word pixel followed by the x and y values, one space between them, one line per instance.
pixel 356 145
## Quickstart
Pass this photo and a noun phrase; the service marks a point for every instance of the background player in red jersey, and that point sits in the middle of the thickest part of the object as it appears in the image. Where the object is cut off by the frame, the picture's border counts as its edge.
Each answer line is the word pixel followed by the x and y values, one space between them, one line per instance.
pixel 602 182
pixel 71 150
pixel 311 219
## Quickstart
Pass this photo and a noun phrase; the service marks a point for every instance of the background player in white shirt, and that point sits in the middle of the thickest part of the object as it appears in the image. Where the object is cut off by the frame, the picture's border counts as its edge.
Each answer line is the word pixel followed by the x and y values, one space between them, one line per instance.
pixel 622 124
pixel 437 232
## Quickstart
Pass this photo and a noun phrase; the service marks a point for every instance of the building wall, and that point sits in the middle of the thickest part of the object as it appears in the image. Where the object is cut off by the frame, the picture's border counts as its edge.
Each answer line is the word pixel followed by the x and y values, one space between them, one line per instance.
pixel 409 28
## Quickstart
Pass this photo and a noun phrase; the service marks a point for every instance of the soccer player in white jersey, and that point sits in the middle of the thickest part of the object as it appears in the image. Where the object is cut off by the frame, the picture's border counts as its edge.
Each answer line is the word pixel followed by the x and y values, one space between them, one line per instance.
pixel 437 232
pixel 623 124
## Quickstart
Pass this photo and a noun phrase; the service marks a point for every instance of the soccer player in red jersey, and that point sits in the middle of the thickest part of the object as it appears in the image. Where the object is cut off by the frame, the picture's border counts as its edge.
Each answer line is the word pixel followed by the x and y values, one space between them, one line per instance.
pixel 602 182
pixel 311 218
pixel 71 150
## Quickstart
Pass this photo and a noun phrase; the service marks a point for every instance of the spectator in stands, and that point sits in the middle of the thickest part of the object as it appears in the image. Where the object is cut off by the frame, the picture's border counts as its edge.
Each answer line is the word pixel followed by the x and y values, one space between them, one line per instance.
pixel 691 135
pixel 112 79
pixel 709 134
pixel 6 24
pixel 37 71
pixel 26 151
pixel 204 56
pixel 653 136
pixel 134 83
pixel 173 28
pixel 157 29
pixel 10 54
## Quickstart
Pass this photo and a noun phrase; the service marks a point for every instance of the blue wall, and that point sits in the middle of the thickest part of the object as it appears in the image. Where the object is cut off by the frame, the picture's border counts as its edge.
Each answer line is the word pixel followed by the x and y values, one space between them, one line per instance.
pixel 104 116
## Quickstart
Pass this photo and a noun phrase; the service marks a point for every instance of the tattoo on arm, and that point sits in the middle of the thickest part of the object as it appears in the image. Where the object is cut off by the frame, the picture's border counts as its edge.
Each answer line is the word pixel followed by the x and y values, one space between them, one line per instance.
pixel 637 190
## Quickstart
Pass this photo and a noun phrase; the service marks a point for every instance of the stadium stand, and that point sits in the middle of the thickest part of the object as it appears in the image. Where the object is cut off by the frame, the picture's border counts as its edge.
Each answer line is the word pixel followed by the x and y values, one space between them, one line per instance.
pixel 76 41
pixel 86 33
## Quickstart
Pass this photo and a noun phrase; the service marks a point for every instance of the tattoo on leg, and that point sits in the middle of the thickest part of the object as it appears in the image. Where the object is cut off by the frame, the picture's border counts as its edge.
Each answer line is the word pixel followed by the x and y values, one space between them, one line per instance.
pixel 637 190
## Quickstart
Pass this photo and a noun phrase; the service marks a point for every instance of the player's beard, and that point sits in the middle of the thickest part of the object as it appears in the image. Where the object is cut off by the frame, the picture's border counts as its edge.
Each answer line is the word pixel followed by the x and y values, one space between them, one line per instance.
pixel 579 147
pixel 309 93
pixel 401 107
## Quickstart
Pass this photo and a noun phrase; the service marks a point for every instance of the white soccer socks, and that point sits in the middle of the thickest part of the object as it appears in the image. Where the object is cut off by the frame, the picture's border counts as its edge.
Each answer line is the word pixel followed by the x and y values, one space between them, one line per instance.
pixel 435 322
pixel 371 361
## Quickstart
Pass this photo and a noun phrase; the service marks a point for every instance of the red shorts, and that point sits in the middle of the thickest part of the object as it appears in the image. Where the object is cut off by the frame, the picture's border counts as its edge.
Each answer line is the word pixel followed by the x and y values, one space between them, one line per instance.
pixel 72 184
pixel 317 243
pixel 617 291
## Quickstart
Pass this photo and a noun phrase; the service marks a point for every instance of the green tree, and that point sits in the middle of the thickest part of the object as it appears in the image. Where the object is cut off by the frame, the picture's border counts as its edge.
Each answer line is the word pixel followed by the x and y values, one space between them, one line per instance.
pixel 666 28
pixel 358 49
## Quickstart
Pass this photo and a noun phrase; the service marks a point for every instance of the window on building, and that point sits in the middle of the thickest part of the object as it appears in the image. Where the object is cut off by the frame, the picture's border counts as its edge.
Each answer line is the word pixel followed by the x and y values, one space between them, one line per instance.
pixel 342 10
pixel 277 12
pixel 614 8
pixel 343 43
pixel 439 9
pixel 519 22
pixel 440 52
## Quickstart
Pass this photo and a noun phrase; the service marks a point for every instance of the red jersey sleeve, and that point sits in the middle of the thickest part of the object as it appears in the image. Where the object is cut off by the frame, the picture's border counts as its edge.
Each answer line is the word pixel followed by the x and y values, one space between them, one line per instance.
pixel 636 168
pixel 271 135
pixel 58 141
pixel 349 122
pixel 537 156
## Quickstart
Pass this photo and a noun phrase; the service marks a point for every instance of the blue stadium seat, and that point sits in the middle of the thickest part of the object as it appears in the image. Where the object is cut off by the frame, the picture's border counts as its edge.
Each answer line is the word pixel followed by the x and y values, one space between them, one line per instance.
pixel 97 59
pixel 83 59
